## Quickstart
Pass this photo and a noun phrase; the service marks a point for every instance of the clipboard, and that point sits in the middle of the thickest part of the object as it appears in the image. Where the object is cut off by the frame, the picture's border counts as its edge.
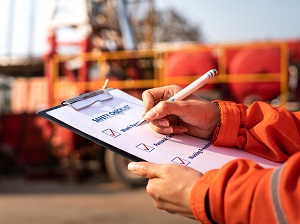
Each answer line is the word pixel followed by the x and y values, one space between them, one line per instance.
pixel 70 102
pixel 109 118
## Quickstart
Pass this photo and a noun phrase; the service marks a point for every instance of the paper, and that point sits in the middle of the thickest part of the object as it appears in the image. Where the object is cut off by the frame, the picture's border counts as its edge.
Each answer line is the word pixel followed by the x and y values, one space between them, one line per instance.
pixel 114 122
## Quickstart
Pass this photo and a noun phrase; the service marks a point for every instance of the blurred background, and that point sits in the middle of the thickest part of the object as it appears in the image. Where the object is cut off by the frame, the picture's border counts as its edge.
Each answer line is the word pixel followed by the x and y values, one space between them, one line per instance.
pixel 56 49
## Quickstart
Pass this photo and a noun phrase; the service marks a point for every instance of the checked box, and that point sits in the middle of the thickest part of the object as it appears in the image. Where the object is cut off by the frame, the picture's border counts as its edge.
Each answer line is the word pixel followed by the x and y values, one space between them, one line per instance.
pixel 111 133
pixel 145 147
pixel 180 161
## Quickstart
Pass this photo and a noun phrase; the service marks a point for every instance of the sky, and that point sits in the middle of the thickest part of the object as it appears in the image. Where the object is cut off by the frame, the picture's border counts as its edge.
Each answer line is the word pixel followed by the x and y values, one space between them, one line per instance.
pixel 220 21
pixel 241 20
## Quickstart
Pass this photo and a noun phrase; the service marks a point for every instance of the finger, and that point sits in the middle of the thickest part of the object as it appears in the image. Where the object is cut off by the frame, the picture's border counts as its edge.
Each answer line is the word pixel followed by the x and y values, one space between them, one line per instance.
pixel 162 130
pixel 171 129
pixel 161 122
pixel 148 100
pixel 168 125
pixel 144 169
pixel 152 96
pixel 165 108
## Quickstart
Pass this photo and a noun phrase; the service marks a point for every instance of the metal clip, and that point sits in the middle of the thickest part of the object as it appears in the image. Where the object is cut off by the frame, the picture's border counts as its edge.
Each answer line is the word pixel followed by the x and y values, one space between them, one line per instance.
pixel 106 96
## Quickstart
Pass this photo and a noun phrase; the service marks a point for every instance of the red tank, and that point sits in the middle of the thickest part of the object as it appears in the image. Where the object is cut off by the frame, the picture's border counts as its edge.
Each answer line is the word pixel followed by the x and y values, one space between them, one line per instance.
pixel 255 61
pixel 294 52
pixel 190 64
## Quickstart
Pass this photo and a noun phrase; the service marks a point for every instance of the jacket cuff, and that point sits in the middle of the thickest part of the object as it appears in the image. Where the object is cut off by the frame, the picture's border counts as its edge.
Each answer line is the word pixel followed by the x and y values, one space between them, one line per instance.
pixel 198 194
pixel 227 131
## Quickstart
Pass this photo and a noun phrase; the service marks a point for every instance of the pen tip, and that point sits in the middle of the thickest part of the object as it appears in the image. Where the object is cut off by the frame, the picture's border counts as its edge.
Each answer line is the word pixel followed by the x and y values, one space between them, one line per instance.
pixel 140 122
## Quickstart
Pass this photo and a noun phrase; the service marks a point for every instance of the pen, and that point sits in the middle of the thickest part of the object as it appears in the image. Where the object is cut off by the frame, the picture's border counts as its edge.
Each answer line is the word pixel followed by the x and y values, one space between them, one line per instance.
pixel 201 81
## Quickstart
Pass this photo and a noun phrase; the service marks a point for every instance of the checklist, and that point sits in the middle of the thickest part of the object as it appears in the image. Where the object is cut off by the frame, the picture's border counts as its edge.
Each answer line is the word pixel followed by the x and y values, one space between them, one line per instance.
pixel 111 121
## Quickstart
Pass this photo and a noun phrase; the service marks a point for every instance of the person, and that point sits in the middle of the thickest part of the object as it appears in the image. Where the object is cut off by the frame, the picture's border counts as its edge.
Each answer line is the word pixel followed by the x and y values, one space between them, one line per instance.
pixel 241 191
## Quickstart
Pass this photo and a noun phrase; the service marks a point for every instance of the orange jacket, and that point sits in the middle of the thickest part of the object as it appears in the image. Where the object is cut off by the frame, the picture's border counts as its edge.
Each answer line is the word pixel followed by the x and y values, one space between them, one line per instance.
pixel 242 191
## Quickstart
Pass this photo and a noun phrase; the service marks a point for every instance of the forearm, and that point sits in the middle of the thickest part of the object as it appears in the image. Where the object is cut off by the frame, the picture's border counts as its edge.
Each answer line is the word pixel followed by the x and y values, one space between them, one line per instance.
pixel 269 132
pixel 244 192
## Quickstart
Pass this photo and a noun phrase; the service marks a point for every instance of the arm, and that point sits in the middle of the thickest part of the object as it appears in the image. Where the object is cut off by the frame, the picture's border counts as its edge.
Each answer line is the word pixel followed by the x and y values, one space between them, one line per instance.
pixel 261 129
pixel 243 192
pixel 239 192
pixel 272 133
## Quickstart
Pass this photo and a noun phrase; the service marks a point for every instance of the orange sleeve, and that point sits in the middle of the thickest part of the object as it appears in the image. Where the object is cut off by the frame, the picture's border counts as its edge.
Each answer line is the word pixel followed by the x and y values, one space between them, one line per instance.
pixel 242 191
pixel 261 129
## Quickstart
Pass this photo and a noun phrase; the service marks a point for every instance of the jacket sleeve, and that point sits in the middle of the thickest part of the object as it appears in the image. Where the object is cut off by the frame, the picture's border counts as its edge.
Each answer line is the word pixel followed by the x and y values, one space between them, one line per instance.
pixel 271 133
pixel 242 191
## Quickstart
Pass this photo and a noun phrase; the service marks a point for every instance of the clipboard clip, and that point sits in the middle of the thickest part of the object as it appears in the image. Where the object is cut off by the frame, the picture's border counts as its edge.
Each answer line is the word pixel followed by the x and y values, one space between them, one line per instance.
pixel 83 96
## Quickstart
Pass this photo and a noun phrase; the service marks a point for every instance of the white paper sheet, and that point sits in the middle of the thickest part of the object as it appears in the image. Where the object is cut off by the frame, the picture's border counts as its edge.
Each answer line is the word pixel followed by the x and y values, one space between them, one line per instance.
pixel 114 122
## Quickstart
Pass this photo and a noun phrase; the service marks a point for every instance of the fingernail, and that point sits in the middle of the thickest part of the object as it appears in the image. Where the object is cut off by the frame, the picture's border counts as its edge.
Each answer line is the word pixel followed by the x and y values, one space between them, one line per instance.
pixel 132 166
pixel 167 130
pixel 163 123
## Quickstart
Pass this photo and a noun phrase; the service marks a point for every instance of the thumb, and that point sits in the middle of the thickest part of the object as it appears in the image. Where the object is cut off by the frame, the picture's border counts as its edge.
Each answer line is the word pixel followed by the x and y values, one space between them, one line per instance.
pixel 144 169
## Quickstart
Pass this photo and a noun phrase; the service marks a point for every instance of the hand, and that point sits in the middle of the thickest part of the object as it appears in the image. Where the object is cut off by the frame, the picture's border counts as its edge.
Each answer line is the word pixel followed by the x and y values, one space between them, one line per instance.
pixel 194 116
pixel 169 185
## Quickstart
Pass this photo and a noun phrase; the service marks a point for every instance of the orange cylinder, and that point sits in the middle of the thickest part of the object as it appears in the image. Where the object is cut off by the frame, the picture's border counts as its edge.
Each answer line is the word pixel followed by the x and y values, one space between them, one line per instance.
pixel 184 64
pixel 294 54
pixel 255 61
pixel 294 51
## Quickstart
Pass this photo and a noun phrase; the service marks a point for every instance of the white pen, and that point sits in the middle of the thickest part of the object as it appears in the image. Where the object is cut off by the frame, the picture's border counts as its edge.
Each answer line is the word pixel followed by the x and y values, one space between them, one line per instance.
pixel 198 83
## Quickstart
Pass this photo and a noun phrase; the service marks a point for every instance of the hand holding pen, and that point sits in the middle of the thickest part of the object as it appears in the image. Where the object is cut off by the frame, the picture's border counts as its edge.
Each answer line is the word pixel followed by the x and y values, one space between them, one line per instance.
pixel 168 113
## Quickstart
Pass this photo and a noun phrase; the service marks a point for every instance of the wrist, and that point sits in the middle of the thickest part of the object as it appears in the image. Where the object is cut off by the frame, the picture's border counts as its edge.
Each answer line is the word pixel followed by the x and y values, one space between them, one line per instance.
pixel 215 120
pixel 225 134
